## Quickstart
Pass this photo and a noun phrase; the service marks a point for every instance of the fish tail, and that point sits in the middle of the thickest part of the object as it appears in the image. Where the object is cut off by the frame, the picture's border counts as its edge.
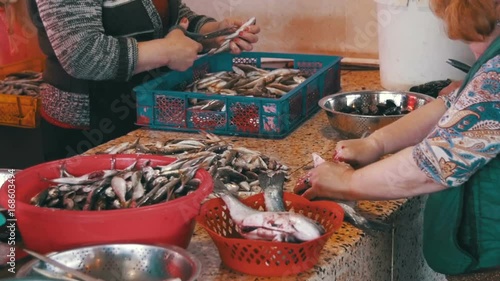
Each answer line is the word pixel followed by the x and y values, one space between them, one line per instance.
pixel 379 226
pixel 264 180
pixel 371 227
pixel 219 187
pixel 276 179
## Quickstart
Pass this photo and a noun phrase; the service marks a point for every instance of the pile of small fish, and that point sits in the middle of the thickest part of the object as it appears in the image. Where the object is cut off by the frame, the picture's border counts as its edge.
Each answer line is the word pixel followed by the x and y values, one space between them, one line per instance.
pixel 117 189
pixel 274 224
pixel 248 80
pixel 22 83
pixel 237 167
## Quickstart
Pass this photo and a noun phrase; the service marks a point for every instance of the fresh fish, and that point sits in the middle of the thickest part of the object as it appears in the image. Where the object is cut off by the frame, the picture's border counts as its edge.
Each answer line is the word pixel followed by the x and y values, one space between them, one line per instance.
pixel 244 185
pixel 138 191
pixel 273 191
pixel 231 173
pixel 271 226
pixel 115 189
pixel 351 215
pixel 85 179
pixel 244 80
pixel 186 174
pixel 117 148
pixel 238 167
pixel 119 186
pixel 22 83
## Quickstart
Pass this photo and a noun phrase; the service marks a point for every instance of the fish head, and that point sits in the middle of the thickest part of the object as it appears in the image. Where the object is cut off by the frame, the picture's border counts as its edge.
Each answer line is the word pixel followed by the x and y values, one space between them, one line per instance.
pixel 307 229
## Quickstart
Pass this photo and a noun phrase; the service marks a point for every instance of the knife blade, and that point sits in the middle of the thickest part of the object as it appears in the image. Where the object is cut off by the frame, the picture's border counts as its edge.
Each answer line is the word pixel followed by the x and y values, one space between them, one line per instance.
pixel 459 65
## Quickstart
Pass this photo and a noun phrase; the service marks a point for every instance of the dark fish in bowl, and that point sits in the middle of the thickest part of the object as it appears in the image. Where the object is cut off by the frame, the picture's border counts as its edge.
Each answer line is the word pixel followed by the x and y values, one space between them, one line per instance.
pixel 386 108
pixel 360 113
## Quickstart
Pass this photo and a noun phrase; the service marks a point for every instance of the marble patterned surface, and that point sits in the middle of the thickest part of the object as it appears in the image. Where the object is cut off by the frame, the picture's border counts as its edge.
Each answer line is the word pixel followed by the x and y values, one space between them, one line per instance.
pixel 349 254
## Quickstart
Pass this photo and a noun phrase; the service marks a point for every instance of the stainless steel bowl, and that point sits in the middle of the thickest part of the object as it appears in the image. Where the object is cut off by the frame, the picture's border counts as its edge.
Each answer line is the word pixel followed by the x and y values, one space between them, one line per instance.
pixel 357 125
pixel 124 262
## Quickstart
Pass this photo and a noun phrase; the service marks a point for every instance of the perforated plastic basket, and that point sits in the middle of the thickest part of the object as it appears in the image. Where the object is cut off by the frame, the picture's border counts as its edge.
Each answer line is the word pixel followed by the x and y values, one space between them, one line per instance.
pixel 265 258
pixel 162 103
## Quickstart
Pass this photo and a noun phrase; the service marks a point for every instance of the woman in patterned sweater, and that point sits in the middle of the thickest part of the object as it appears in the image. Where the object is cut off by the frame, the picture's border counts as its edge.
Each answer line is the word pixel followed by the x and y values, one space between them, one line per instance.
pixel 97 51
pixel 448 148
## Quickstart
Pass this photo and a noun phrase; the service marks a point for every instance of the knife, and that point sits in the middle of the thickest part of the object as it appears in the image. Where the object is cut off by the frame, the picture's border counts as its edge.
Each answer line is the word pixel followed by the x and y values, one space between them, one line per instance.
pixel 459 65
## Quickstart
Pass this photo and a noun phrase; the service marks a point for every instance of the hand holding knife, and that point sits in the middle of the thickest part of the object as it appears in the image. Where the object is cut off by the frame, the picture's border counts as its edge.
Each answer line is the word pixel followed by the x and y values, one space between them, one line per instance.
pixel 230 33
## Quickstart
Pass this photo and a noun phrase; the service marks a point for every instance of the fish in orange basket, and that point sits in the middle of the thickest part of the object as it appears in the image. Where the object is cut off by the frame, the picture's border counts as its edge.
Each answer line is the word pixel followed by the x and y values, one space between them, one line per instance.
pixel 270 226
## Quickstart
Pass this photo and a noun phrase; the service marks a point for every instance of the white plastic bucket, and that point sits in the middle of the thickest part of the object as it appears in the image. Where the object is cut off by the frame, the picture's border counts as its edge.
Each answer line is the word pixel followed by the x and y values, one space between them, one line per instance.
pixel 413 45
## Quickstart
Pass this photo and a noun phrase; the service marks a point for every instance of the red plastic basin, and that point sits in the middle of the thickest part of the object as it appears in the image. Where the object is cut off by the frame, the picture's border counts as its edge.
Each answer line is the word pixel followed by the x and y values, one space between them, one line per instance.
pixel 46 230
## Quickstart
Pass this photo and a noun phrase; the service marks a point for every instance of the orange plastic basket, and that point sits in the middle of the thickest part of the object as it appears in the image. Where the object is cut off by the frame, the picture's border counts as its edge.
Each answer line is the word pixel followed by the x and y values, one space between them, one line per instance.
pixel 19 110
pixel 266 258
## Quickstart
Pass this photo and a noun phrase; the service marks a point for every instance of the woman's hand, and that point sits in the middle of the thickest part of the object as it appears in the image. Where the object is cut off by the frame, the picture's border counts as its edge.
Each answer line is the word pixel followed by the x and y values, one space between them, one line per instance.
pixel 244 42
pixel 328 180
pixel 181 50
pixel 358 152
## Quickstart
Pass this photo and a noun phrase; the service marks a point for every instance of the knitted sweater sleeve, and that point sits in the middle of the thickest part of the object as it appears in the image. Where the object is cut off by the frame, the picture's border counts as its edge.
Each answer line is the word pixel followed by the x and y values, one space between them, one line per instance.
pixel 195 21
pixel 76 33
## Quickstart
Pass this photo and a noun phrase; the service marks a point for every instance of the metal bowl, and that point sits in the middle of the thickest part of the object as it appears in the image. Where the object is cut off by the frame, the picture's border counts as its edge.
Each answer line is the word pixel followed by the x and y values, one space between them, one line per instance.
pixel 358 125
pixel 124 262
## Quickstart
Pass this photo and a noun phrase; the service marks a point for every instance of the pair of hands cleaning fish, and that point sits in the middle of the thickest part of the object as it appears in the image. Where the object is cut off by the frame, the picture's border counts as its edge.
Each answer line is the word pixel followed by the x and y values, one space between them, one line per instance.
pixel 228 34
pixel 276 224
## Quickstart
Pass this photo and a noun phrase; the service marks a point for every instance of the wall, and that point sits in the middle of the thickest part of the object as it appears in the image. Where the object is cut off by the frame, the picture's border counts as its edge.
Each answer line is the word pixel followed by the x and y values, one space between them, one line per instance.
pixel 340 27
pixel 18 39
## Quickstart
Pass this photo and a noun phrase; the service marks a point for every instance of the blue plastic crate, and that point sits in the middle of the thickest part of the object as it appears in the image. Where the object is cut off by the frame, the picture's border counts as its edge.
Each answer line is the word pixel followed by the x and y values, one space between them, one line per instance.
pixel 162 103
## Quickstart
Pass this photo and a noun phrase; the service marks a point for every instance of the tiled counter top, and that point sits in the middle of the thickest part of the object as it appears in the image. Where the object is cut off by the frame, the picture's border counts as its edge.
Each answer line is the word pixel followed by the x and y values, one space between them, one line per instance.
pixel 349 254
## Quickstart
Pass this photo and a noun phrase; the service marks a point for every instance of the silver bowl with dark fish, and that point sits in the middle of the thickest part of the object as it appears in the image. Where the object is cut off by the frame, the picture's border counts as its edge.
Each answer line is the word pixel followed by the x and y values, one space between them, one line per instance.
pixel 358 114
pixel 124 262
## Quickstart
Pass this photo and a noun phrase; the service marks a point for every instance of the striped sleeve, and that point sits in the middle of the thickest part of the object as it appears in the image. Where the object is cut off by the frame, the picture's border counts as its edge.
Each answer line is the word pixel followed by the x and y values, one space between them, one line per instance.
pixel 195 21
pixel 76 34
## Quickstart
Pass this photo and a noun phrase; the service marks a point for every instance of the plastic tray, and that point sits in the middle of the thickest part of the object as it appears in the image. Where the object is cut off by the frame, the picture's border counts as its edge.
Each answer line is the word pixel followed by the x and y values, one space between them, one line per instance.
pixel 162 103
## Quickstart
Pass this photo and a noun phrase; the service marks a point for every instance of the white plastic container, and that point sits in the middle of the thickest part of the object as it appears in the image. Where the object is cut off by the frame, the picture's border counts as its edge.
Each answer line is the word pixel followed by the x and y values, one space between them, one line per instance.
pixel 413 45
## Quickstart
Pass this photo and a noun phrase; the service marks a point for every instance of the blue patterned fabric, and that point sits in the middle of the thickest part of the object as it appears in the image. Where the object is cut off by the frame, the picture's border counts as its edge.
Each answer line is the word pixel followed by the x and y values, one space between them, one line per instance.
pixel 468 135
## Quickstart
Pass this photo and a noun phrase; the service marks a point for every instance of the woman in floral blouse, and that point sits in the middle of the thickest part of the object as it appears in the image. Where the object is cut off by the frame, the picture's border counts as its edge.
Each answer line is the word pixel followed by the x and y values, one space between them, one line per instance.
pixel 448 148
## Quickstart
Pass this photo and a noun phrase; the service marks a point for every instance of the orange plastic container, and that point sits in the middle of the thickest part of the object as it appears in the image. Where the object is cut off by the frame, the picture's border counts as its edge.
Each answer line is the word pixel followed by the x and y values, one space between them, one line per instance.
pixel 266 258
pixel 46 230
pixel 18 110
